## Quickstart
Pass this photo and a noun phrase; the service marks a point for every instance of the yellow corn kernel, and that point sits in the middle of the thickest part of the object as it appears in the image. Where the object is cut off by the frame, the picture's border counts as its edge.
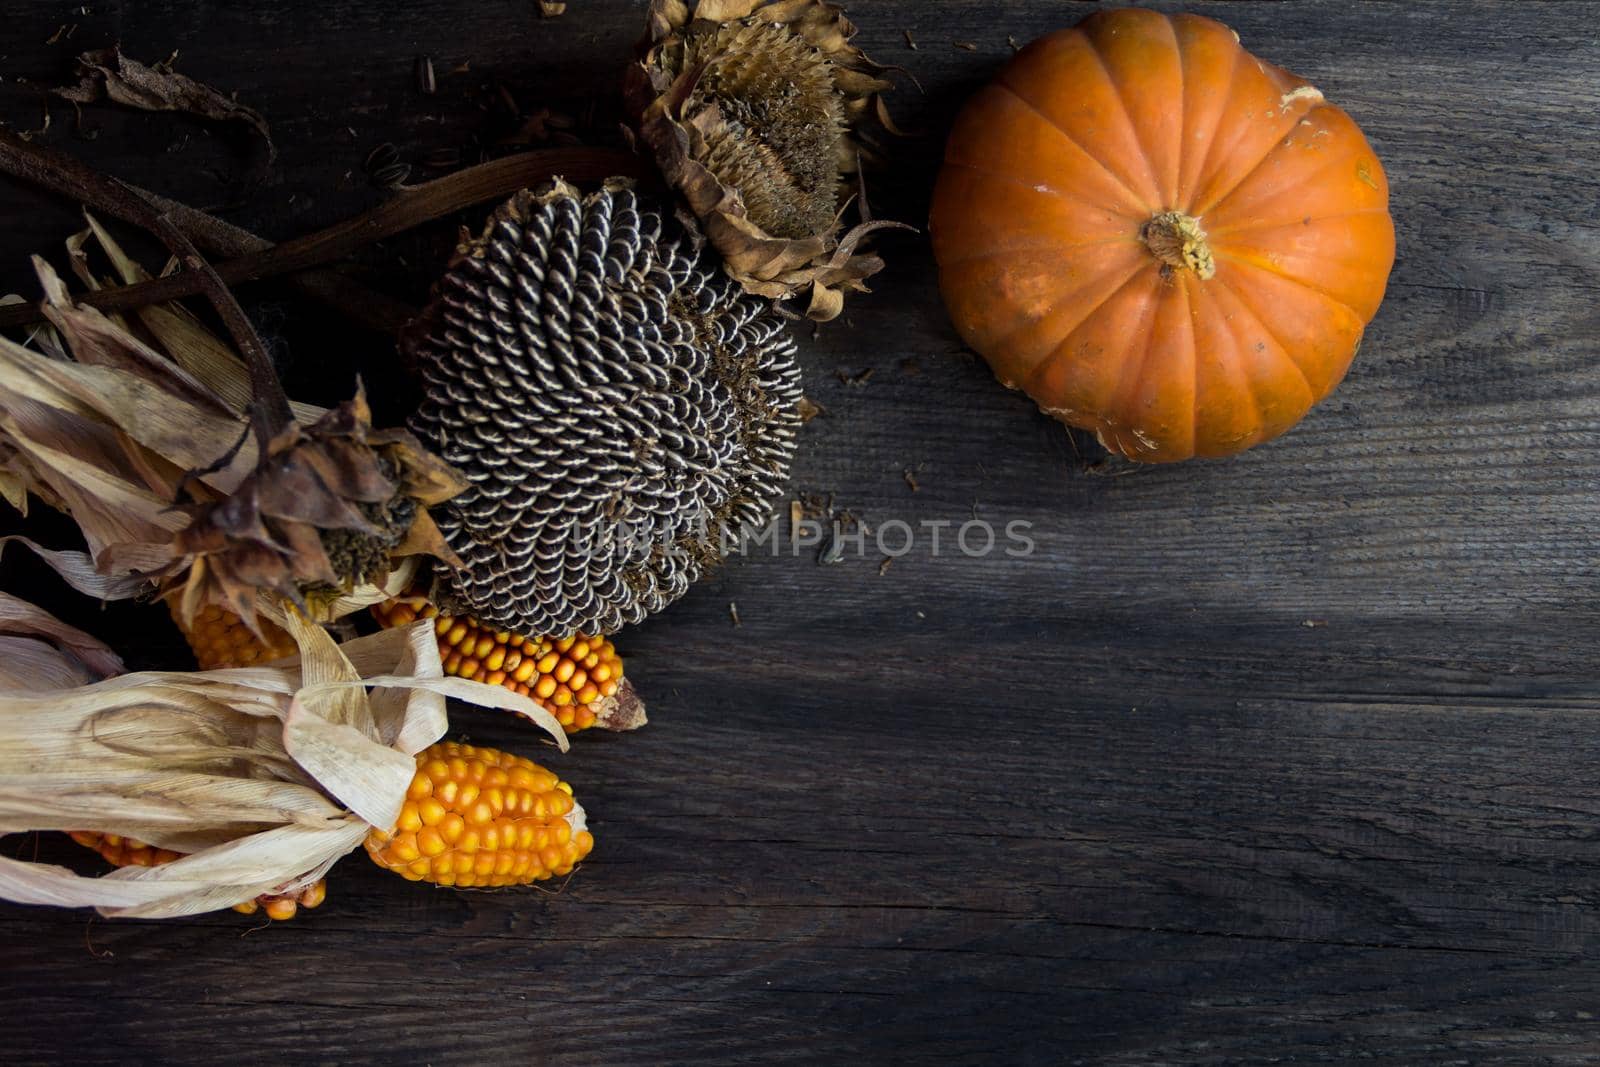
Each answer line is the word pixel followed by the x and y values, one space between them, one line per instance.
pixel 281 908
pixel 571 677
pixel 509 822
pixel 220 639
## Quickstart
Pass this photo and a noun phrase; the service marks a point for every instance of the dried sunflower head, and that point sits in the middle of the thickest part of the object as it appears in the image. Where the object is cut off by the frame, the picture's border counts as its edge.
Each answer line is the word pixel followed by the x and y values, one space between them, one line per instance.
pixel 326 510
pixel 754 110
pixel 621 413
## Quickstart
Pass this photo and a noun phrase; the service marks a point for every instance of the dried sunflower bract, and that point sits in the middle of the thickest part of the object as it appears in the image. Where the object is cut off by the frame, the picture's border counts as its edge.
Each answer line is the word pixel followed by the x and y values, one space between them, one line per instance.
pixel 754 111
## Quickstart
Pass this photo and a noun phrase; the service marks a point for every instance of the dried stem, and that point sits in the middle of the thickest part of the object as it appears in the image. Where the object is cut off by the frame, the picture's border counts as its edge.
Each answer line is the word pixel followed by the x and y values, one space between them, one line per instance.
pixel 38 165
pixel 377 311
pixel 412 207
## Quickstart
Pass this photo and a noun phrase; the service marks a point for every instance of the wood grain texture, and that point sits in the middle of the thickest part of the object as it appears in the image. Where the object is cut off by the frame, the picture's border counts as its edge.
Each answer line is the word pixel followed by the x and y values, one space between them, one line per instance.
pixel 1286 758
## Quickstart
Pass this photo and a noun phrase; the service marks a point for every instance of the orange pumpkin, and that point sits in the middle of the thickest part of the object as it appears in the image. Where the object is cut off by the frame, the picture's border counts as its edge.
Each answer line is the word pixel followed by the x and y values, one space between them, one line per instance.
pixel 1159 237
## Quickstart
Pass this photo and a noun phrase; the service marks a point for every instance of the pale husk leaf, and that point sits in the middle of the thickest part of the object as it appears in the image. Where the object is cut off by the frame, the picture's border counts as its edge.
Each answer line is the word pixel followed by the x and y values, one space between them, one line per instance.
pixel 29 663
pixel 186 434
pixel 77 570
pixel 20 618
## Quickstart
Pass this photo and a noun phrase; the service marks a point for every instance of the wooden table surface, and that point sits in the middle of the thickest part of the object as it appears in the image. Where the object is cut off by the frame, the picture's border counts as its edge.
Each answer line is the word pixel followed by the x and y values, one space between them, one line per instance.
pixel 1286 758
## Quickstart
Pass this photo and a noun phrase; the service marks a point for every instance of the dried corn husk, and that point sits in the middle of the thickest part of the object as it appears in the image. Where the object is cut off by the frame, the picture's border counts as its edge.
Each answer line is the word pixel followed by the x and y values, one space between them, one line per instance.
pixel 40 652
pixel 754 110
pixel 264 776
pixel 120 431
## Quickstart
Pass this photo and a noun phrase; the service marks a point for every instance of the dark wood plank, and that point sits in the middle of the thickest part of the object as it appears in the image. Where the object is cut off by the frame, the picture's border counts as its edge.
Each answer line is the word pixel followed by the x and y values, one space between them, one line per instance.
pixel 1284 758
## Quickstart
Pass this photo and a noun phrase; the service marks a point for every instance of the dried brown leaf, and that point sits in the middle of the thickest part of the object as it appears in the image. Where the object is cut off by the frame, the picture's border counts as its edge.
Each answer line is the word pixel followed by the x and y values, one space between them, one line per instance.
pixel 423 476
pixel 115 430
pixel 107 74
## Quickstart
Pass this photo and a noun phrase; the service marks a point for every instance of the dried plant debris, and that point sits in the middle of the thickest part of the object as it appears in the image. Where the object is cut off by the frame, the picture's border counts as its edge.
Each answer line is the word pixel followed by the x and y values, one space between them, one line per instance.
pixel 445 158
pixel 145 444
pixel 549 9
pixel 623 412
pixel 755 110
pixel 384 167
pixel 107 74
pixel 543 126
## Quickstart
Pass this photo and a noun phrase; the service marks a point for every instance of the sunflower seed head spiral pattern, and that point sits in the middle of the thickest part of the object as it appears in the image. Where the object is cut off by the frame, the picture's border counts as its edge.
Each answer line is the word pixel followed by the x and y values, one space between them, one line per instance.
pixel 622 411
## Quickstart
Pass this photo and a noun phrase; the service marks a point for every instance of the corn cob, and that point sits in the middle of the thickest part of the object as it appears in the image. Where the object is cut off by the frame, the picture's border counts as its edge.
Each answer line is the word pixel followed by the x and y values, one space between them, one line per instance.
pixel 126 852
pixel 219 638
pixel 577 679
pixel 480 817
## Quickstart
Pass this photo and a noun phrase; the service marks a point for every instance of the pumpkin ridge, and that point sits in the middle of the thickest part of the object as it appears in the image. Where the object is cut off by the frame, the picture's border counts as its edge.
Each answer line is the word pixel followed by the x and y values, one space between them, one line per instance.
pixel 1211 136
pixel 1054 352
pixel 1133 373
pixel 990 253
pixel 1215 151
pixel 1221 203
pixel 1251 261
pixel 1183 113
pixel 1127 116
pixel 1246 379
pixel 1222 198
pixel 1194 366
pixel 1047 190
pixel 1053 124
pixel 1272 336
pixel 1268 227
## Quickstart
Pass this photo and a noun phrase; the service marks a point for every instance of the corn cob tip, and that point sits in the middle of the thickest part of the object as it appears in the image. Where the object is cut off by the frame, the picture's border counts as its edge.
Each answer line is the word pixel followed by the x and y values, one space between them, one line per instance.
pixel 623 710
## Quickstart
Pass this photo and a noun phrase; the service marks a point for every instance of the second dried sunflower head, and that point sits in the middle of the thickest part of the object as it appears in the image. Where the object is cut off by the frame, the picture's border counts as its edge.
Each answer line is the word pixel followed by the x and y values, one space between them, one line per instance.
pixel 754 111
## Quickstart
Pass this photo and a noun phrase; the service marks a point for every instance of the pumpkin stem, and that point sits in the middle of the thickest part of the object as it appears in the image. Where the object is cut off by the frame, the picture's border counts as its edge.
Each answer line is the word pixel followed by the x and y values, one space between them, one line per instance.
pixel 1178 241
